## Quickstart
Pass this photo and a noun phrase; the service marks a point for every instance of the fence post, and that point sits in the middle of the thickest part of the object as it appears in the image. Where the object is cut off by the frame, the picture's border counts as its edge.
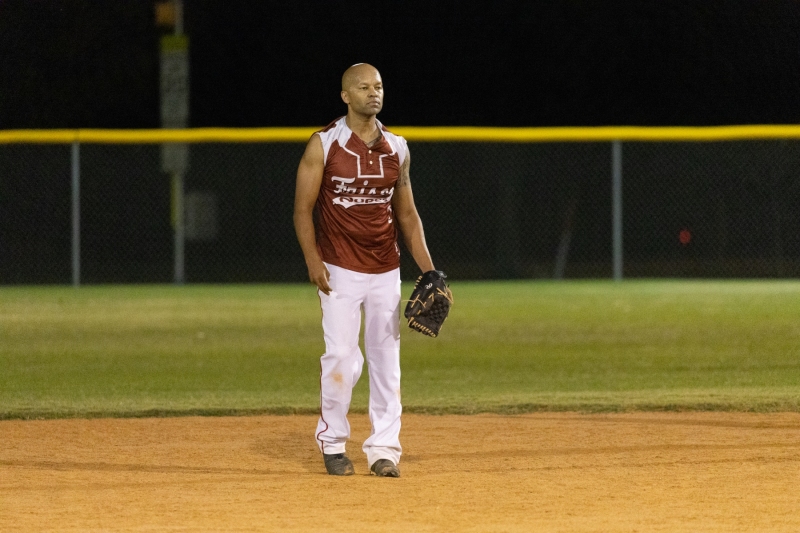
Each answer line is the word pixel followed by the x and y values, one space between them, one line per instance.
pixel 616 207
pixel 179 226
pixel 76 213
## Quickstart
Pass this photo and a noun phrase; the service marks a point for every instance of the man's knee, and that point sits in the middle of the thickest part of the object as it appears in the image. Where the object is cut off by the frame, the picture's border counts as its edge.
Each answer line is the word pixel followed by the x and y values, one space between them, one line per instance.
pixel 341 353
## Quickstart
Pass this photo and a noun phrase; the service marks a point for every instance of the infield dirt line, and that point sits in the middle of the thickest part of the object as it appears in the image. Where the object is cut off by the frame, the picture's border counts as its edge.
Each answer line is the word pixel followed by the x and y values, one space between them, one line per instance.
pixel 537 472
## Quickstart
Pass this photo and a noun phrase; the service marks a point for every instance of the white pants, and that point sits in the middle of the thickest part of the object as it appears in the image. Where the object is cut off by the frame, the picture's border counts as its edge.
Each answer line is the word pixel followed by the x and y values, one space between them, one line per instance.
pixel 379 297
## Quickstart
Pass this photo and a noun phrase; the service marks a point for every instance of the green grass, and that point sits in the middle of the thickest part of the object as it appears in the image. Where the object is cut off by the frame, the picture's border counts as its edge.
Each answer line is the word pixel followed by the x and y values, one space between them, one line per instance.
pixel 507 347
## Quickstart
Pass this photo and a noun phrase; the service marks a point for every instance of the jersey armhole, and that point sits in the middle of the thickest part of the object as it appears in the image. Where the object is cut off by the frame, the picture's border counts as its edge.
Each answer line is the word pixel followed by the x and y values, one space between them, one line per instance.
pixel 326 147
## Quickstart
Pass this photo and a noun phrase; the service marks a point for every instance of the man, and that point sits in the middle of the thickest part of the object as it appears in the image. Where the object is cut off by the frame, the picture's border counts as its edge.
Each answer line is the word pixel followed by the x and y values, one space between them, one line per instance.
pixel 353 194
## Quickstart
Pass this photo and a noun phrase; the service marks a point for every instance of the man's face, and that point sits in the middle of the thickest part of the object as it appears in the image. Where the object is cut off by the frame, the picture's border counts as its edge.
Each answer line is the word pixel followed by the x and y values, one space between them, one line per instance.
pixel 364 94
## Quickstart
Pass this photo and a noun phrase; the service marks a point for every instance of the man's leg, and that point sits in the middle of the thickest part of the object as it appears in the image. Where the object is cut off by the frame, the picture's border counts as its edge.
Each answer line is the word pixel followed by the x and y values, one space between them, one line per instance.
pixel 341 364
pixel 382 344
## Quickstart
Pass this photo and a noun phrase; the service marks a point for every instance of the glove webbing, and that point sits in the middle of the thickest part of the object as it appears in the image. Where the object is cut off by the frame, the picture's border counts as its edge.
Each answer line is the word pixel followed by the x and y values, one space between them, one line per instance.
pixel 419 327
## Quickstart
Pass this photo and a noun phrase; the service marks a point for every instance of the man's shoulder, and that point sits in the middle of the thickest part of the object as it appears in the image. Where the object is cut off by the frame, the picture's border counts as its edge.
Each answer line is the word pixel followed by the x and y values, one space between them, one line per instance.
pixel 397 142
pixel 336 130
pixel 387 131
pixel 332 126
pixel 334 133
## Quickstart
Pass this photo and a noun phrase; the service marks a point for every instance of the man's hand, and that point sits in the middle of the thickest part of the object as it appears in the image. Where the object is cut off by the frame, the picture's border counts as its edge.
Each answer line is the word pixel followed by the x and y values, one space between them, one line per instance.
pixel 318 275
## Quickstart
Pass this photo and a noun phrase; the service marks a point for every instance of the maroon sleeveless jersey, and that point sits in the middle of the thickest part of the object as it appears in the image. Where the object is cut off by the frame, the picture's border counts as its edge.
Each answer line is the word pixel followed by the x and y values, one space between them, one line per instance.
pixel 354 223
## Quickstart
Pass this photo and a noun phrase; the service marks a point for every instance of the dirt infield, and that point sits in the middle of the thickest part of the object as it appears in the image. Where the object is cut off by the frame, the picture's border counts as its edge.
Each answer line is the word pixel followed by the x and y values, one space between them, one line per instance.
pixel 486 473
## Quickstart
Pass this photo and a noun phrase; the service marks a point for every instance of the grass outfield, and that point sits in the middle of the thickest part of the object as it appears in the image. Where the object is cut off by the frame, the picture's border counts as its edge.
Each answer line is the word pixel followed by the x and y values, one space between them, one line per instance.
pixel 507 347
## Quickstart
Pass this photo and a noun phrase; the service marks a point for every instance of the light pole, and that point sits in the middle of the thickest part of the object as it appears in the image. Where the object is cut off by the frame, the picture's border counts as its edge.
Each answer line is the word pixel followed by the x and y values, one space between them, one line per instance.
pixel 174 83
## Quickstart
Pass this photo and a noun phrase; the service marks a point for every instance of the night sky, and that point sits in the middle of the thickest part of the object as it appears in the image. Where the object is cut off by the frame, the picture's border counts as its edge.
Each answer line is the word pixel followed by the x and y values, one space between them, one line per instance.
pixel 90 63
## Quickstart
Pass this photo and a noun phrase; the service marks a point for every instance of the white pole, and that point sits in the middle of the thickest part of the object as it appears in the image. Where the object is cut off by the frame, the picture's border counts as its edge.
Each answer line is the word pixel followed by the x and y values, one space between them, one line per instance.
pixel 177 186
pixel 178 16
pixel 76 214
pixel 179 226
pixel 616 207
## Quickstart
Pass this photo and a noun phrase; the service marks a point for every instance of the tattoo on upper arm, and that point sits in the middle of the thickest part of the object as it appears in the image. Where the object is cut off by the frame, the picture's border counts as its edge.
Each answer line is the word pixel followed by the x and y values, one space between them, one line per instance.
pixel 405 175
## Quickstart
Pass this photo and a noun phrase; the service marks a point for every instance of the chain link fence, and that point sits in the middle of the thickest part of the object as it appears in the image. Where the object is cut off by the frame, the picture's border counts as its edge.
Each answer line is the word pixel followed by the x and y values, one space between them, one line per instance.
pixel 491 210
pixel 724 209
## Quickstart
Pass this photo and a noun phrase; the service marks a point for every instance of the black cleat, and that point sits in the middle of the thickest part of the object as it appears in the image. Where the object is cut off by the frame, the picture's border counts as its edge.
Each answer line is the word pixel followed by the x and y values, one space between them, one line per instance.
pixel 337 464
pixel 385 468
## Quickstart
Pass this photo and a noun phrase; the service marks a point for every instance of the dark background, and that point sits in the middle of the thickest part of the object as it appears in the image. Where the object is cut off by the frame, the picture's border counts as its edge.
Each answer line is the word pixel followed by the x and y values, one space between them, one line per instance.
pixel 90 63
pixel 506 210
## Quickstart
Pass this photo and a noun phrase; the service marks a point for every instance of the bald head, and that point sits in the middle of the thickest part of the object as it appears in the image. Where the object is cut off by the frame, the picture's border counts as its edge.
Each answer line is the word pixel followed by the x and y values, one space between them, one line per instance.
pixel 362 90
pixel 358 72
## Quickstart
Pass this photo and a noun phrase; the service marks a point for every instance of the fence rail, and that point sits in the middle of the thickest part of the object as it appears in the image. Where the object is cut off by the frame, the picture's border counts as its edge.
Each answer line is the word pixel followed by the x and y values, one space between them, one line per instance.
pixel 101 206
pixel 413 133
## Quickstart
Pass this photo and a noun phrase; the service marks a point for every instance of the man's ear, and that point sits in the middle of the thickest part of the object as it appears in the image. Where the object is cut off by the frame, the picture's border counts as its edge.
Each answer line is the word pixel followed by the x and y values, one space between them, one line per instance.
pixel 345 97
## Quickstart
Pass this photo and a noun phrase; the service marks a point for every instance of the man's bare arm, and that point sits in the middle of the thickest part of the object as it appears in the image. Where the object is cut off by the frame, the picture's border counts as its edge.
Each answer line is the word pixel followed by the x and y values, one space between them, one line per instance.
pixel 309 180
pixel 405 212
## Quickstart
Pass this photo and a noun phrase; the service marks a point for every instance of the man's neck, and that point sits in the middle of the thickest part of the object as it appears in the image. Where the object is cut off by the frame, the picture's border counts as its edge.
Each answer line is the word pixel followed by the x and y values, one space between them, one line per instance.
pixel 365 127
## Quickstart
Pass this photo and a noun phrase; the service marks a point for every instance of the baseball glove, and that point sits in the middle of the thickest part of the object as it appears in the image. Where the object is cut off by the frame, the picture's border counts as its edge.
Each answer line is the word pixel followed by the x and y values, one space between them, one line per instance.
pixel 430 303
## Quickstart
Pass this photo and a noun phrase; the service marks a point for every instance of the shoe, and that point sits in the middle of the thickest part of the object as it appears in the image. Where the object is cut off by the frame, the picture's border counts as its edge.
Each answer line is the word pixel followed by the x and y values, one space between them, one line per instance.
pixel 385 468
pixel 337 464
